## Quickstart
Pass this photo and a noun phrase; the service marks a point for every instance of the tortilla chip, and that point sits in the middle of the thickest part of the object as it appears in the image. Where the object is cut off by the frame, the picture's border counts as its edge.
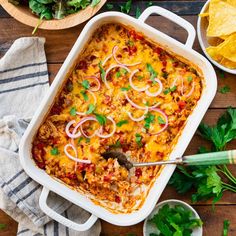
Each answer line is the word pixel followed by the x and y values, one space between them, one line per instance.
pixel 212 51
pixel 227 63
pixel 205 14
pixel 232 2
pixel 222 19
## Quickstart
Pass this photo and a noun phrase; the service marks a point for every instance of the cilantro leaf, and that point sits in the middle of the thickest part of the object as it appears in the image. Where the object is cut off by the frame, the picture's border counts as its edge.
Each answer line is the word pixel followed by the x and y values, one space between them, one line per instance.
pixel 122 122
pixel 190 78
pixel 101 119
pixel 125 88
pixel 73 111
pixel 54 151
pixel 126 7
pixel 79 140
pixel 109 6
pixel 85 84
pixel 102 71
pixel 91 108
pixel 152 72
pixel 224 89
pixel 116 145
pixel 138 12
pixel 138 139
pixel 85 96
pixel 149 119
pixel 160 120
pixel 3 226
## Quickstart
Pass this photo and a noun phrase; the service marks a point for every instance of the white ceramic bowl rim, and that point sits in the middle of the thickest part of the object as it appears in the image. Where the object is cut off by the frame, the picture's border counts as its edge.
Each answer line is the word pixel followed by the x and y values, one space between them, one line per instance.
pixel 199 34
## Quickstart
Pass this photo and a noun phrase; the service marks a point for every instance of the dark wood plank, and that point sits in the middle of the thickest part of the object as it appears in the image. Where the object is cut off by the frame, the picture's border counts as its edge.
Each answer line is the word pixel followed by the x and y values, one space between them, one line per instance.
pixel 11 225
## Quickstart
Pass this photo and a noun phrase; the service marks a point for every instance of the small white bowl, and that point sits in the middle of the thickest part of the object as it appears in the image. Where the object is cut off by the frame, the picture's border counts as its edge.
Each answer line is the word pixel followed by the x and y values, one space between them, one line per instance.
pixel 149 228
pixel 202 25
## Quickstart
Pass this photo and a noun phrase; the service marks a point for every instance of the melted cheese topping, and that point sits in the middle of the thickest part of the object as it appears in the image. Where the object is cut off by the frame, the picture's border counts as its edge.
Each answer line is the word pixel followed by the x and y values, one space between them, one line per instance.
pixel 106 182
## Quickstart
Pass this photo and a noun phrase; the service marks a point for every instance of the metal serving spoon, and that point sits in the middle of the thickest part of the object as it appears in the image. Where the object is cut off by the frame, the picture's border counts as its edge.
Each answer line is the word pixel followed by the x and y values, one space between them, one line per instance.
pixel 212 158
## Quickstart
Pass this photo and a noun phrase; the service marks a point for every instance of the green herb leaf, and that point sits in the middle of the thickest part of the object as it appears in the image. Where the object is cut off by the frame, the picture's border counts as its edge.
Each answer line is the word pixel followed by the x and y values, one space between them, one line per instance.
pixel 95 3
pixel 173 88
pixel 116 145
pixel 73 111
pixel 102 71
pixel 138 139
pixel 91 108
pixel 152 72
pixel 190 78
pixel 149 4
pixel 85 96
pixel 2 226
pixel 222 74
pixel 101 119
pixel 226 227
pixel 85 84
pixel 149 119
pixel 138 12
pixel 126 7
pixel 87 140
pixel 54 151
pixel 140 77
pixel 123 71
pixel 125 88
pixel 224 89
pixel 118 74
pixel 109 6
pixel 80 139
pixel 160 120
pixel 122 122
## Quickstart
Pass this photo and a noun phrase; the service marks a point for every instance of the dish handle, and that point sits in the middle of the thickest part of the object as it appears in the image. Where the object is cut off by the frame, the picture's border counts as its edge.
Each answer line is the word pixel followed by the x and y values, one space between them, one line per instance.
pixel 174 18
pixel 61 219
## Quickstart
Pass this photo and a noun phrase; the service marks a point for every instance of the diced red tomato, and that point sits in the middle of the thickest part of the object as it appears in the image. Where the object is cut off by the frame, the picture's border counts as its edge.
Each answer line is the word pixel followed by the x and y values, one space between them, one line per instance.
pixel 117 199
pixel 181 104
pixel 138 172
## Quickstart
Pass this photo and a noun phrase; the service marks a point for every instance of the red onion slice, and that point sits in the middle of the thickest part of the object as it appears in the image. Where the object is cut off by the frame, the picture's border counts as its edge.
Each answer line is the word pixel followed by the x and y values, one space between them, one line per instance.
pixel 76 156
pixel 137 106
pixel 114 50
pixel 191 91
pixel 113 131
pixel 111 68
pixel 166 120
pixel 157 92
pixel 138 119
pixel 97 81
pixel 73 134
pixel 133 86
pixel 106 59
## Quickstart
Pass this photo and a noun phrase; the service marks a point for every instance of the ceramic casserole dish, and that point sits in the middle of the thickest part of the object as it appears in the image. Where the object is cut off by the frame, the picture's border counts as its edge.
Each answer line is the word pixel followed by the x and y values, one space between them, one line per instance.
pixel 208 93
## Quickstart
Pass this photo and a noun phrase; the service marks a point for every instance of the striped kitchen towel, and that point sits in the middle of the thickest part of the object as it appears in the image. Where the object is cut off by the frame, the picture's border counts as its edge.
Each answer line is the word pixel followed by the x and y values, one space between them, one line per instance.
pixel 23 83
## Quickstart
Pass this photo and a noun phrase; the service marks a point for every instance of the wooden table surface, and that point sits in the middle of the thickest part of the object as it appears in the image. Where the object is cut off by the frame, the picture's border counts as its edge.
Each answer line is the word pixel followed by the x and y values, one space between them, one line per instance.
pixel 59 43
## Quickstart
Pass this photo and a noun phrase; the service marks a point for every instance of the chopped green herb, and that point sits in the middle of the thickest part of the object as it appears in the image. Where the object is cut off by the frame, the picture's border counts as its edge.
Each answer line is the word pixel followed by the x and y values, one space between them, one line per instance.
pixel 85 84
pixel 226 227
pixel 91 108
pixel 73 111
pixel 109 6
pixel 173 88
pixel 138 12
pixel 140 77
pixel 124 71
pixel 87 140
pixel 118 74
pixel 149 119
pixel 125 88
pixel 176 220
pixel 165 75
pixel 116 145
pixel 80 139
pixel 160 120
pixel 147 103
pixel 224 89
pixel 126 7
pixel 3 226
pixel 168 90
pixel 101 119
pixel 149 4
pixel 152 72
pixel 54 151
pixel 190 78
pixel 122 122
pixel 102 71
pixel 85 96
pixel 95 3
pixel 221 74
pixel 138 139
pixel 130 43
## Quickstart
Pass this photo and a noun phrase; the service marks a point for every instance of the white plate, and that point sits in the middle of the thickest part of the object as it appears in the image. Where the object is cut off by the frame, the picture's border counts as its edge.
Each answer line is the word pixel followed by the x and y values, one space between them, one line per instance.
pixel 149 228
pixel 202 25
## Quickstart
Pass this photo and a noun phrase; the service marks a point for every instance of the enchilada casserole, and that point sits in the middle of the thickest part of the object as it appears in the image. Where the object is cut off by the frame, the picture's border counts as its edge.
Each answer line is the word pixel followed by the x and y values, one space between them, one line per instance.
pixel 125 93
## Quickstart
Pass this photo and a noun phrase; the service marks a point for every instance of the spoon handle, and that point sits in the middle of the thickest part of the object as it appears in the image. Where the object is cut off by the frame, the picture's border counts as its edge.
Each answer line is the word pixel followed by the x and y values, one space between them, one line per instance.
pixel 212 158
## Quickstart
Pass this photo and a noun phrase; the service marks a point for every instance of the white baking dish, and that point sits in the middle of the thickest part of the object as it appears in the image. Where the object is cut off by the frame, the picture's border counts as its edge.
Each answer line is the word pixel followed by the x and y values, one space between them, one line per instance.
pixel 50 184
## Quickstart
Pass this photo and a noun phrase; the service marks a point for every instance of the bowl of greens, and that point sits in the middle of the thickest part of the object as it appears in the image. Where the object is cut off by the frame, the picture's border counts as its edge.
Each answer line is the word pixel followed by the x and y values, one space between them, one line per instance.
pixel 173 217
pixel 52 14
